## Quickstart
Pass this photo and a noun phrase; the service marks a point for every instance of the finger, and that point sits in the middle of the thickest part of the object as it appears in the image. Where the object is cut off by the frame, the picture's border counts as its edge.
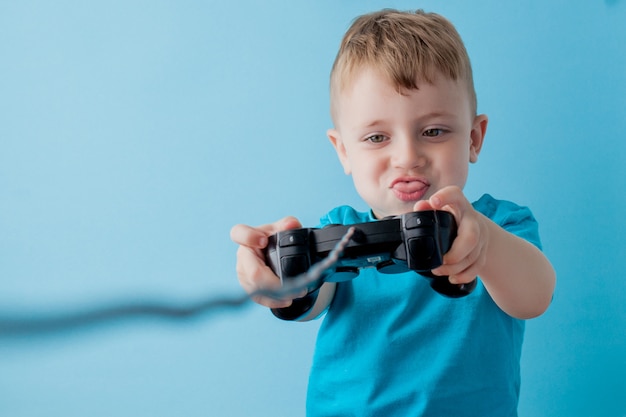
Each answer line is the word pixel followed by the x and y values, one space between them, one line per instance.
pixel 275 297
pixel 248 236
pixel 252 271
pixel 464 277
pixel 254 275
pixel 285 223
pixel 451 269
pixel 258 280
pixel 465 245
pixel 270 302
pixel 452 199
pixel 464 254
pixel 422 205
pixel 256 237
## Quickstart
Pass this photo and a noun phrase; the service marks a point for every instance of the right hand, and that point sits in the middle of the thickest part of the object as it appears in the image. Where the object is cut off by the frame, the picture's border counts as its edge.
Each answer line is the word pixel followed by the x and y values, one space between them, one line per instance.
pixel 252 271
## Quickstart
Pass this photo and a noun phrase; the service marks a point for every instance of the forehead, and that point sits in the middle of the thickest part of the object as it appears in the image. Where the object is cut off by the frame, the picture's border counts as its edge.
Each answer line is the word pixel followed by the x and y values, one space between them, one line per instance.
pixel 369 92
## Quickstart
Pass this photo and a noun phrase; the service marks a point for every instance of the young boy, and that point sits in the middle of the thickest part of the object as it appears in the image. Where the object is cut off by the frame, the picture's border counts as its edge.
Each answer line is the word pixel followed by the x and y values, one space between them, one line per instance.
pixel 406 128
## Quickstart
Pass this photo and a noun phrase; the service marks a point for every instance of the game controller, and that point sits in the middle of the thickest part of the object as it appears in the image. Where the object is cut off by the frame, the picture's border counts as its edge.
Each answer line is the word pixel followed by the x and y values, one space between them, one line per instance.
pixel 415 241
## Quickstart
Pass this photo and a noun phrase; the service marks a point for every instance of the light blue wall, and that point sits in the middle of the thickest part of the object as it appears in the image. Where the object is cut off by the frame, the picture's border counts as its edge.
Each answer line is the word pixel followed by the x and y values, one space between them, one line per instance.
pixel 134 134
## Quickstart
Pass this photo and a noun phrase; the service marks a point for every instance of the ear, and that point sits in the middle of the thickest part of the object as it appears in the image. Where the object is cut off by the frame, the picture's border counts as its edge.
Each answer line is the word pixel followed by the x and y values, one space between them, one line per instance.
pixel 477 136
pixel 340 148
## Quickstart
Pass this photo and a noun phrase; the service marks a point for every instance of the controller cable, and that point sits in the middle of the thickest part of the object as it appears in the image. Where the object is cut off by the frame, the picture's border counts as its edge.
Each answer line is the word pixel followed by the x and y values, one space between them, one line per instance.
pixel 13 326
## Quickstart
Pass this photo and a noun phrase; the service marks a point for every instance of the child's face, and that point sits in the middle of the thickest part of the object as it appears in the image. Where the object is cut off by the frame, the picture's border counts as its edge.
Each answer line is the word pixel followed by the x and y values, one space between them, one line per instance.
pixel 402 148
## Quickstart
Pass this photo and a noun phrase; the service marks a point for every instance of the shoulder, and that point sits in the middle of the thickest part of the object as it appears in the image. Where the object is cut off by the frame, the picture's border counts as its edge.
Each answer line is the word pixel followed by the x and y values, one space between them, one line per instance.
pixel 345 215
pixel 500 210
pixel 511 216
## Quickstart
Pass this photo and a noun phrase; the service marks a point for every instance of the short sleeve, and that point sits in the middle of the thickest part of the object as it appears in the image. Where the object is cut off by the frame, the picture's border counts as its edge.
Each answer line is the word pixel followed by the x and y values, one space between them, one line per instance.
pixel 513 218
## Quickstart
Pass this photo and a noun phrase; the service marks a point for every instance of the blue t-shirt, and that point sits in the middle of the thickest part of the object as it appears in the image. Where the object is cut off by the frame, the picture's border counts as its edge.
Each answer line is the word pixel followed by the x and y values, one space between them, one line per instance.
pixel 391 346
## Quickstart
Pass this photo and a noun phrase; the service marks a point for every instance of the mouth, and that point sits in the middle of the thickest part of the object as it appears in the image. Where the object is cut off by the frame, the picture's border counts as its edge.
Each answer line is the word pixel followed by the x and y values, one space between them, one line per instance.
pixel 409 188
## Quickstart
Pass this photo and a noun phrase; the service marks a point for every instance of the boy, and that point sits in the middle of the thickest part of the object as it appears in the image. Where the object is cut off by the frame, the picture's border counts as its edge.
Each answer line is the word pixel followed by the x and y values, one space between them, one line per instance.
pixel 406 128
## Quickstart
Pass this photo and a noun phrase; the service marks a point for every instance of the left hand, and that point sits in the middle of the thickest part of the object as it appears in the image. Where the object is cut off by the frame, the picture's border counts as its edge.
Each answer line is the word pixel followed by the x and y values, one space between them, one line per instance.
pixel 468 254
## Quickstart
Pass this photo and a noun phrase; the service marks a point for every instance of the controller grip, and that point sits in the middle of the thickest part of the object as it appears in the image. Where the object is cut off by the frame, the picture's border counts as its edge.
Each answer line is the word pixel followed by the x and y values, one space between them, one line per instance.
pixel 445 287
pixel 298 307
pixel 426 252
pixel 288 254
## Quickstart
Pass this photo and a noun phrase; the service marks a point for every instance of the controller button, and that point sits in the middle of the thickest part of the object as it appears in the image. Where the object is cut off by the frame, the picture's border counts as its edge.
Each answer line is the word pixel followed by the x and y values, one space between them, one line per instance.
pixel 413 222
pixel 422 248
pixel 292 240
pixel 292 266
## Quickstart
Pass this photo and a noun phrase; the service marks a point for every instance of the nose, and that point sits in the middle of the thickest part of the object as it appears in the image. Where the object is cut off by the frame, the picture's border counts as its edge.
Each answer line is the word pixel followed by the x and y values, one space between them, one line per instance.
pixel 407 153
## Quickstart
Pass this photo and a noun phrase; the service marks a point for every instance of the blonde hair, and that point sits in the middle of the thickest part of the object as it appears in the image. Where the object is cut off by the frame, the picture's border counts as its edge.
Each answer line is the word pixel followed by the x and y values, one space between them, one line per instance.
pixel 406 47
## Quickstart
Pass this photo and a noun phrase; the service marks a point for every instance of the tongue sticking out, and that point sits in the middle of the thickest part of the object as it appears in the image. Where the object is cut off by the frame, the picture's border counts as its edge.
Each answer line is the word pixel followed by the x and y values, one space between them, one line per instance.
pixel 409 190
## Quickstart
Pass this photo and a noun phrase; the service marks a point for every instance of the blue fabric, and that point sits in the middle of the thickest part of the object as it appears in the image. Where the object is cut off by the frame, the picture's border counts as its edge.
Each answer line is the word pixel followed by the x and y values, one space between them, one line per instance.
pixel 390 346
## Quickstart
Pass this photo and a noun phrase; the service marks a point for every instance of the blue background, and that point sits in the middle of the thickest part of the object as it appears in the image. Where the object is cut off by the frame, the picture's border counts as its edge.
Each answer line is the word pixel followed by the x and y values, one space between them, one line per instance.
pixel 134 134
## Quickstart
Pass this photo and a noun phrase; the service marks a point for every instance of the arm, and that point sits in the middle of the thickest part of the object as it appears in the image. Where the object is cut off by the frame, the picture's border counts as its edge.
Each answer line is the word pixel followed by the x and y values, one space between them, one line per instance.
pixel 517 275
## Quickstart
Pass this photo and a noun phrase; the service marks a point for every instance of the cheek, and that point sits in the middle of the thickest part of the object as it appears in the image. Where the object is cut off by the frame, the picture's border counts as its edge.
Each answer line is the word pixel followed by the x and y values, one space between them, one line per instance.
pixel 367 168
pixel 454 167
pixel 459 172
pixel 364 173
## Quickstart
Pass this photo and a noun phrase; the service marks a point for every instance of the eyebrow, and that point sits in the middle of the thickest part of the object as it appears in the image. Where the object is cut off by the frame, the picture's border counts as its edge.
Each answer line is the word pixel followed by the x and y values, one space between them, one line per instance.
pixel 434 114
pixel 374 123
pixel 431 115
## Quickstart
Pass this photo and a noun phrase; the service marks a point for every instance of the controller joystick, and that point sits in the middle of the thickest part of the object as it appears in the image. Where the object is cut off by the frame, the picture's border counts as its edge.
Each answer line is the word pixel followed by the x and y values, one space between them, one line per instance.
pixel 415 241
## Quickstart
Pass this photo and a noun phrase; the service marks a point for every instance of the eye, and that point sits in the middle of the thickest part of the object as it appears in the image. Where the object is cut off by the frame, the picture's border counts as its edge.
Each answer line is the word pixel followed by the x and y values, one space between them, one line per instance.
pixel 432 133
pixel 375 139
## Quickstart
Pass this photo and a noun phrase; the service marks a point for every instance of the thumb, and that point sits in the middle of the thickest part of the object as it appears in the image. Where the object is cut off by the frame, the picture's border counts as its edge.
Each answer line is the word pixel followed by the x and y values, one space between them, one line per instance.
pixel 423 205
pixel 451 199
pixel 256 237
pixel 286 223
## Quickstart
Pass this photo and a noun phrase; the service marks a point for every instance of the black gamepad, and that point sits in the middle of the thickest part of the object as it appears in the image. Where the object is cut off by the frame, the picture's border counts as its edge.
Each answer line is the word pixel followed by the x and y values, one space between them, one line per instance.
pixel 414 241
